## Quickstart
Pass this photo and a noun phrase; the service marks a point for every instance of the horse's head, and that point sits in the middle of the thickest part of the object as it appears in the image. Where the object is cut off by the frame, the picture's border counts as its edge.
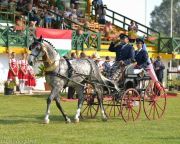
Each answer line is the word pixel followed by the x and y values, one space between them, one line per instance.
pixel 36 49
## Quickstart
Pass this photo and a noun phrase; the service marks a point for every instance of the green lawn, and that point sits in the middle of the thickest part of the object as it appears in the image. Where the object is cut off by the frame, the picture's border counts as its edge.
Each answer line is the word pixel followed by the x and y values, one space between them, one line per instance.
pixel 21 120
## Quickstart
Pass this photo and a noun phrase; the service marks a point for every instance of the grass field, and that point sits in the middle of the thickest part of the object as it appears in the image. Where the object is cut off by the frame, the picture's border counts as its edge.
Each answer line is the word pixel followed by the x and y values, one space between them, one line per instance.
pixel 21 120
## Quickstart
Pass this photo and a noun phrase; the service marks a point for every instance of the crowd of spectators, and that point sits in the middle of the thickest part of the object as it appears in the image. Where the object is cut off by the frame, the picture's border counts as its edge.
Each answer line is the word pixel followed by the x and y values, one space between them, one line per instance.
pixel 43 13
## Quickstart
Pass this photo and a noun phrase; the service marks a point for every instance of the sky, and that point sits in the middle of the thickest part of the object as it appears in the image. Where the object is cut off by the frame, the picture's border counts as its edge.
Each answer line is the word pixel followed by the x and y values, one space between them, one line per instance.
pixel 134 9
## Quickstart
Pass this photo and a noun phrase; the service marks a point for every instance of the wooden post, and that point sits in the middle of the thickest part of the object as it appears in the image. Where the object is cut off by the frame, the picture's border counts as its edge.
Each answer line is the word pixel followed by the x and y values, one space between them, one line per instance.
pixel 89 7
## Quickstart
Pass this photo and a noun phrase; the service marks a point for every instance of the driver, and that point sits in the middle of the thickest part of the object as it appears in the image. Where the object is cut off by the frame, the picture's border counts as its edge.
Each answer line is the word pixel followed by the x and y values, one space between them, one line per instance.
pixel 124 51
pixel 124 56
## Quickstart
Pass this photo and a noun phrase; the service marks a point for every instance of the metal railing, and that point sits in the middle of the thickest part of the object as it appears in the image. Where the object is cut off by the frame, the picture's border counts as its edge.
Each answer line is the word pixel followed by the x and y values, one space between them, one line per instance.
pixel 169 45
pixel 123 22
pixel 10 38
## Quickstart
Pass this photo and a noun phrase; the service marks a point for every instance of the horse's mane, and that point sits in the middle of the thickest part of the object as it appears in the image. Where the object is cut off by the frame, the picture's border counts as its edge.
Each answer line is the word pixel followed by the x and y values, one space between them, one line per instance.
pixel 49 43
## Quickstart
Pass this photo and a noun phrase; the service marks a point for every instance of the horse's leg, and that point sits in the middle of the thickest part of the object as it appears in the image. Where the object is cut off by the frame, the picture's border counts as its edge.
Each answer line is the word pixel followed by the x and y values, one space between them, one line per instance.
pixel 49 100
pixel 58 104
pixel 100 100
pixel 79 90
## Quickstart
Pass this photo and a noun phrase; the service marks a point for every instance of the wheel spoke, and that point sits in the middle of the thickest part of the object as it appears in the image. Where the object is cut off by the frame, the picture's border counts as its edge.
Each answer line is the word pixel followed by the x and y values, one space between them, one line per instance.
pixel 159 106
pixel 150 110
pixel 157 111
pixel 90 112
pixel 132 114
pixel 93 107
pixel 84 109
pixel 154 111
pixel 134 111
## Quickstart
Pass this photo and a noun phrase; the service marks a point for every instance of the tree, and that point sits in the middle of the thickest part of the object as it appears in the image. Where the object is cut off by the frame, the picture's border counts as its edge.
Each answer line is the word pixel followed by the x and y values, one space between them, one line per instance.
pixel 161 18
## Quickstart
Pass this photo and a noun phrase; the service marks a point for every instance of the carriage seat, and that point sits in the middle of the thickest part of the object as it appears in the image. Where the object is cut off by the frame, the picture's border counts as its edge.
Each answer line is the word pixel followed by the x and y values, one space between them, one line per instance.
pixel 132 72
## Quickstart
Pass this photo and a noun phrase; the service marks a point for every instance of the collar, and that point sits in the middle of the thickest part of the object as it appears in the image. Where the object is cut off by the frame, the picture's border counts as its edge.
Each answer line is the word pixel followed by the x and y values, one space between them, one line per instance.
pixel 139 49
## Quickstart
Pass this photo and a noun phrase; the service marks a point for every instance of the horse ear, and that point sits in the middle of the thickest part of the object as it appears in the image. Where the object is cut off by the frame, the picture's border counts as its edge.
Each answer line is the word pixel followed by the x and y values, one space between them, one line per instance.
pixel 40 39
pixel 34 38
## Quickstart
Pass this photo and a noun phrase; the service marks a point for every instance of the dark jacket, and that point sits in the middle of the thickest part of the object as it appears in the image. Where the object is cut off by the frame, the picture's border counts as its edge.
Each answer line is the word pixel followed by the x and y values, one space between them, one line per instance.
pixel 159 68
pixel 141 58
pixel 124 52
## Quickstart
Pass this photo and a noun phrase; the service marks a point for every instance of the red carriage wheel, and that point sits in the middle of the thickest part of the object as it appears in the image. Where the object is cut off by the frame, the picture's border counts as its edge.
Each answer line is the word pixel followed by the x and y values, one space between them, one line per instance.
pixel 130 105
pixel 112 106
pixel 90 105
pixel 154 101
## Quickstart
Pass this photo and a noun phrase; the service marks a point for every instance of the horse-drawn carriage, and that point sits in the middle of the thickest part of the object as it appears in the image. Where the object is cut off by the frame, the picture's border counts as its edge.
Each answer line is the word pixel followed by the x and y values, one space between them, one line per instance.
pixel 135 90
pixel 83 75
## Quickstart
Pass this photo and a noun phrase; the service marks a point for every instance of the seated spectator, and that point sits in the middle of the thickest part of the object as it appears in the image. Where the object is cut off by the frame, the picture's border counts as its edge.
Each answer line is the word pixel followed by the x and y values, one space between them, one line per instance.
pixel 86 26
pixel 102 14
pixel 20 5
pixel 74 2
pixel 98 61
pixel 97 4
pixel 79 12
pixel 19 25
pixel 107 67
pixel 68 12
pixel 133 28
pixel 32 15
pixel 47 19
pixel 82 55
pixel 108 32
pixel 63 24
pixel 74 15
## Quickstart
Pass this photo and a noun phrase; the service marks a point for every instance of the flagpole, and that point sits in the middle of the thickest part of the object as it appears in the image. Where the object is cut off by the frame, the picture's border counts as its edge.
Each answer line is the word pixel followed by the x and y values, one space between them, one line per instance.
pixel 145 12
pixel 171 32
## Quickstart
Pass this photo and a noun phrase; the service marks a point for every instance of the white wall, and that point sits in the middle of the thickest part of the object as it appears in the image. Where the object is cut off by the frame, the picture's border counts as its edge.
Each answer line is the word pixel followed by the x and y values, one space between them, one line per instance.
pixel 3 70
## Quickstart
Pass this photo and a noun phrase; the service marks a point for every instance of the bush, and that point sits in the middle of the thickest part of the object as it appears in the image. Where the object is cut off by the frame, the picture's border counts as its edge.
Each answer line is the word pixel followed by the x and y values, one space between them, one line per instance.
pixel 10 84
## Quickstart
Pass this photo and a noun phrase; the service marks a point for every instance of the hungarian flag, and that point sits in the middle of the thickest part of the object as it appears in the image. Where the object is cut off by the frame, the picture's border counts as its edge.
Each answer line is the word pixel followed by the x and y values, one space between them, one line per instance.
pixel 60 39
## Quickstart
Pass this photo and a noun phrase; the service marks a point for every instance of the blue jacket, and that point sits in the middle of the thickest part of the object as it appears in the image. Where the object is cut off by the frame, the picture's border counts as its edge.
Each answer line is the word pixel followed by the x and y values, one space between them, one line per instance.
pixel 124 52
pixel 141 58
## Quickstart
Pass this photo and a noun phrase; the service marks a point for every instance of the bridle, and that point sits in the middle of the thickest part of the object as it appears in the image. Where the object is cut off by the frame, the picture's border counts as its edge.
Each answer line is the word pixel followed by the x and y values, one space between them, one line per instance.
pixel 36 56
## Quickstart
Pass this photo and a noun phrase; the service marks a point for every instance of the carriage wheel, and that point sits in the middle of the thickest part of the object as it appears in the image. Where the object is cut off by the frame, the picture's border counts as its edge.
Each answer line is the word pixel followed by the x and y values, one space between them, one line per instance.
pixel 112 106
pixel 90 105
pixel 130 105
pixel 154 101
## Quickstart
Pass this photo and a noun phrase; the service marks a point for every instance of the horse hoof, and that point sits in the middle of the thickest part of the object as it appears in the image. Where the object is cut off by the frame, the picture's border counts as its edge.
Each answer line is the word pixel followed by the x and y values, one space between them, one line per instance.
pixel 76 120
pixel 68 121
pixel 46 121
pixel 104 119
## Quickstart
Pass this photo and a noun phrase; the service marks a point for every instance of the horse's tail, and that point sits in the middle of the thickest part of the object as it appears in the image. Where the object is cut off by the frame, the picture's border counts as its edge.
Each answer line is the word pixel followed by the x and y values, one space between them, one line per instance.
pixel 98 75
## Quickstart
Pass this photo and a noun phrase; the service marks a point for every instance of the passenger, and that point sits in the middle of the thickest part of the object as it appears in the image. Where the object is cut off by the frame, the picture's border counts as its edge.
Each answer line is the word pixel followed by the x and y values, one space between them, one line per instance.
pixel 150 68
pixel 141 55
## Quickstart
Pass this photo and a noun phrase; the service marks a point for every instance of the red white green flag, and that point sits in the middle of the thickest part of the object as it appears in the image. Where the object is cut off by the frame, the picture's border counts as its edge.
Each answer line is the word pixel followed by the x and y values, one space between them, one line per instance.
pixel 61 39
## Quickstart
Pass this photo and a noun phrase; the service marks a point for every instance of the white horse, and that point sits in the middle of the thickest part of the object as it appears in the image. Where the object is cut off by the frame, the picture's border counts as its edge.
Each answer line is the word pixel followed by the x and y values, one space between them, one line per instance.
pixel 60 73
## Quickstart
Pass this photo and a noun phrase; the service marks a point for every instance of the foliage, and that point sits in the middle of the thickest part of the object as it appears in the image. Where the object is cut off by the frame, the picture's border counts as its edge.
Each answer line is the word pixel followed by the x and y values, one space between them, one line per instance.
pixel 41 71
pixel 10 84
pixel 161 18
pixel 22 117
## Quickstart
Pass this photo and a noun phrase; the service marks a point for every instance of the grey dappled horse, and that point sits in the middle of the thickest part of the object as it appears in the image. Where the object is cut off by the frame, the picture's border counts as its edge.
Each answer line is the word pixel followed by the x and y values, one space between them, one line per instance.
pixel 56 68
